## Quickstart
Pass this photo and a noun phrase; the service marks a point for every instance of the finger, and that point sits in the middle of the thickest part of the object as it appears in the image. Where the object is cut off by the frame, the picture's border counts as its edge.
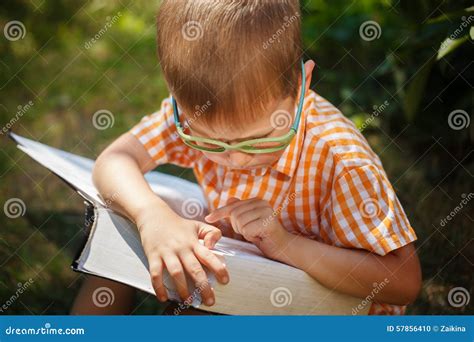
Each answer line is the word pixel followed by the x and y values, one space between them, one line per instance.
pixel 175 269
pixel 233 223
pixel 260 207
pixel 156 273
pixel 225 210
pixel 252 231
pixel 212 262
pixel 197 273
pixel 220 213
pixel 232 200
pixel 236 215
pixel 249 216
pixel 209 234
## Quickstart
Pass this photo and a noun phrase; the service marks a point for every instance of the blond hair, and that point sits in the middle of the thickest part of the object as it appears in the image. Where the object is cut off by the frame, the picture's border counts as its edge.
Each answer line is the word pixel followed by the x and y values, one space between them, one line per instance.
pixel 236 55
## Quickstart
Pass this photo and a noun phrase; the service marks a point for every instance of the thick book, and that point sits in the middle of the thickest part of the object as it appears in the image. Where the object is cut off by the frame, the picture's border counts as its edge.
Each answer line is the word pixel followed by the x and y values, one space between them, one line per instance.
pixel 112 249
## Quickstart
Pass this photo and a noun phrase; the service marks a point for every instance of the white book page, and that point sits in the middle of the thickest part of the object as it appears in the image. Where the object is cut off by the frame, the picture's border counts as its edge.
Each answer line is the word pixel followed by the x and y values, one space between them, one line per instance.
pixel 183 196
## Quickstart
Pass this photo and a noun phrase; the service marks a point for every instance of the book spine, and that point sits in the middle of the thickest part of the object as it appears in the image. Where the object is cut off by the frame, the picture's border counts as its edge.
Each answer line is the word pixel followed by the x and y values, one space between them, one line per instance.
pixel 89 217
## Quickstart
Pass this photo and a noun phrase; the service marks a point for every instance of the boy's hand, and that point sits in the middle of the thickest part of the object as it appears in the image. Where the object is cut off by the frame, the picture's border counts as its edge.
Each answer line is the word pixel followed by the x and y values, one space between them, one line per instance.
pixel 254 218
pixel 174 244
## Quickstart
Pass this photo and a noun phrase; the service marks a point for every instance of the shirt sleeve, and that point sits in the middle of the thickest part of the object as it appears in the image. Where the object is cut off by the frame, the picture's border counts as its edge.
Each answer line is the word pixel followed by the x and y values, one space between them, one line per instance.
pixel 157 133
pixel 366 213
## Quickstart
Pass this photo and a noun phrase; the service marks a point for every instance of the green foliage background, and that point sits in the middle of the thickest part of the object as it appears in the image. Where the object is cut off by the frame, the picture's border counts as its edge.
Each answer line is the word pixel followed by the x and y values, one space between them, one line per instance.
pixel 430 164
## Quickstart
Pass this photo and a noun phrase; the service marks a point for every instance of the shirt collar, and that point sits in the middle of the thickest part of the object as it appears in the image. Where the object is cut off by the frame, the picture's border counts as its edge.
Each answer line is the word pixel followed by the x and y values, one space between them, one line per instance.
pixel 288 161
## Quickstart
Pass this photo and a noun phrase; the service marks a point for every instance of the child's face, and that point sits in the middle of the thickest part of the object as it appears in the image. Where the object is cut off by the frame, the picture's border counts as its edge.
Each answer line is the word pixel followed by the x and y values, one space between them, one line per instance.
pixel 258 129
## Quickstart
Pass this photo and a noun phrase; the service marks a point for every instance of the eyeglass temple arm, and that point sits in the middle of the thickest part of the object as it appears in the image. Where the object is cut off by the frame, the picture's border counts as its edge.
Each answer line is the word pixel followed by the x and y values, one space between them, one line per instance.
pixel 301 101
pixel 175 111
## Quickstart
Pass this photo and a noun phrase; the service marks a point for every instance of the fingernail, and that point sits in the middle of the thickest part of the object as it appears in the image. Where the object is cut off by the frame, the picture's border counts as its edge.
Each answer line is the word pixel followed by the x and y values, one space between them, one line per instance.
pixel 225 279
pixel 210 302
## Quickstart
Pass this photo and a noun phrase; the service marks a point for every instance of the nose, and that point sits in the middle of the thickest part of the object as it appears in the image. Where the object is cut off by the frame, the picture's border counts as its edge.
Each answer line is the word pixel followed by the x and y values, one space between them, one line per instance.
pixel 238 158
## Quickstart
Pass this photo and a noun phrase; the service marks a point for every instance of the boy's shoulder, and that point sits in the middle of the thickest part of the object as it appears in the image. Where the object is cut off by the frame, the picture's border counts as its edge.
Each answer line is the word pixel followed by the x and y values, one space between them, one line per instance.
pixel 334 136
pixel 325 121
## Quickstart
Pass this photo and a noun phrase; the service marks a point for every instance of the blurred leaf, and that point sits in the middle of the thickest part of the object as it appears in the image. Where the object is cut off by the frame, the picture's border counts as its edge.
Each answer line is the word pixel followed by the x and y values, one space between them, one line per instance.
pixel 416 89
pixel 471 32
pixel 452 15
pixel 449 45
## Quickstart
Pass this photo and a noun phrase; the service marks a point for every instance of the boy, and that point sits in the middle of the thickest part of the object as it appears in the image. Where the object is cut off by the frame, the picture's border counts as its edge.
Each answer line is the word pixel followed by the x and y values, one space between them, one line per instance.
pixel 314 196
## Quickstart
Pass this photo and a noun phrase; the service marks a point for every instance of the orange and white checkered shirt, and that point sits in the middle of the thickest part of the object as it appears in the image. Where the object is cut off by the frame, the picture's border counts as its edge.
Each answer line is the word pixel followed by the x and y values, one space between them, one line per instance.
pixel 328 184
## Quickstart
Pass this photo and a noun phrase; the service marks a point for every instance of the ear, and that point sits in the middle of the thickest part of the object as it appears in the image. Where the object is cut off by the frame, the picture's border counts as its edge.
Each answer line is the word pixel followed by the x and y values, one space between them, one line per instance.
pixel 308 67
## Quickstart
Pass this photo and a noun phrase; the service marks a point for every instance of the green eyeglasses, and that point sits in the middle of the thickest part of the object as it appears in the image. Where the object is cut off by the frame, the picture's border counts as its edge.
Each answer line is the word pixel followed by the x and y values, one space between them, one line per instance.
pixel 259 145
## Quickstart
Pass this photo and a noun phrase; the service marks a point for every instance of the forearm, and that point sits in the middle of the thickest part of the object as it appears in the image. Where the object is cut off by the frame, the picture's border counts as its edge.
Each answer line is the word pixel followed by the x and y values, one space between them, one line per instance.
pixel 123 187
pixel 355 271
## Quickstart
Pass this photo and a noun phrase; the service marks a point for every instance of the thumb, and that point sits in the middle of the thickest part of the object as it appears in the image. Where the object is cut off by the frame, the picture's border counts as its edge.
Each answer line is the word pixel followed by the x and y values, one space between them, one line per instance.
pixel 209 234
pixel 221 212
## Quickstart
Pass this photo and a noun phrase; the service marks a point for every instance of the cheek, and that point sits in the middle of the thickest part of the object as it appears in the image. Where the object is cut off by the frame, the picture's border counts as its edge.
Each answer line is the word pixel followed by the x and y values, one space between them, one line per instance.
pixel 271 157
pixel 266 158
pixel 219 158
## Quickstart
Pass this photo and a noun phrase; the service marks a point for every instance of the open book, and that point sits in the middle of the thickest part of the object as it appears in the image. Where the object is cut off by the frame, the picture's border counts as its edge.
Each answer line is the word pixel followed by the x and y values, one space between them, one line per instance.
pixel 258 286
